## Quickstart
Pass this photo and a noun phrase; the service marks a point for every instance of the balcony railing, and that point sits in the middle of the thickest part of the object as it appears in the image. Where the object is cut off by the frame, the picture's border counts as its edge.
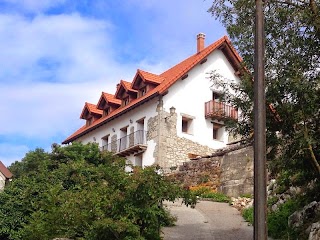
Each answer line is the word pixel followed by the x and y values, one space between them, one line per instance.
pixel 129 144
pixel 220 110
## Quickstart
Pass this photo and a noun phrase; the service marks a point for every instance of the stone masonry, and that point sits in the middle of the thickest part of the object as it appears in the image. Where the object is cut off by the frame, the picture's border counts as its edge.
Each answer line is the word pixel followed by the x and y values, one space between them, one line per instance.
pixel 114 143
pixel 171 150
pixel 231 174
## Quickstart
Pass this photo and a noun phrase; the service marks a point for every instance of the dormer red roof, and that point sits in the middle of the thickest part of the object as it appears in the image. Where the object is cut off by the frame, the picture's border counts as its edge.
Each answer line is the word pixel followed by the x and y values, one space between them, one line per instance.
pixel 90 109
pixel 5 171
pixel 147 77
pixel 109 99
pixel 165 80
pixel 124 86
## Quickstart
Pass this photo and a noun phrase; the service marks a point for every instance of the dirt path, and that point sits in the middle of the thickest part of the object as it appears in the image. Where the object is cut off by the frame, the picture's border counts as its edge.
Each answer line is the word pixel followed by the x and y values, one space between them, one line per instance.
pixel 208 221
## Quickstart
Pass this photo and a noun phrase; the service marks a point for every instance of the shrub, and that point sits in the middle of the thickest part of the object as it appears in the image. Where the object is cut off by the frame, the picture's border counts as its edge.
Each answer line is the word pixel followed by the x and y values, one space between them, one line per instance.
pixel 278 220
pixel 247 214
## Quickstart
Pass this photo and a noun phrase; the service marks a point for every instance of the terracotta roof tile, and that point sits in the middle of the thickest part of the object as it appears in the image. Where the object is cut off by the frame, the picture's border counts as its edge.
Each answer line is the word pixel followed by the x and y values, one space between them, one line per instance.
pixel 151 77
pixel 177 71
pixel 92 108
pixel 166 80
pixel 110 116
pixel 111 98
pixel 5 171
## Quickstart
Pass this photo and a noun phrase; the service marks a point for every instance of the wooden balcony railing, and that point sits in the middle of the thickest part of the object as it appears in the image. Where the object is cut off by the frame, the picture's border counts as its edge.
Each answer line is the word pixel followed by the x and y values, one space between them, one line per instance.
pixel 220 111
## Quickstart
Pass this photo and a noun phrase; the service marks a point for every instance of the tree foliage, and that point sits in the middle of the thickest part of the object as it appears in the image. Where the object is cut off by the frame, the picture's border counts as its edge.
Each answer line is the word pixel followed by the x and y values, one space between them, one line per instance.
pixel 80 193
pixel 292 63
pixel 292 74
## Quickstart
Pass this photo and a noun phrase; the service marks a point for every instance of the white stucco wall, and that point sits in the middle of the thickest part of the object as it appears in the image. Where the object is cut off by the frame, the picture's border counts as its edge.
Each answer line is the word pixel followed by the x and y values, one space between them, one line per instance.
pixel 2 181
pixel 145 111
pixel 188 96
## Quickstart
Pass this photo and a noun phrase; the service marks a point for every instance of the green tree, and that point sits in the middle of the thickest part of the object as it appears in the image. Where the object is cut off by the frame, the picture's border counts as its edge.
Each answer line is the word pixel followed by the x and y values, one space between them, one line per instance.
pixel 292 62
pixel 80 193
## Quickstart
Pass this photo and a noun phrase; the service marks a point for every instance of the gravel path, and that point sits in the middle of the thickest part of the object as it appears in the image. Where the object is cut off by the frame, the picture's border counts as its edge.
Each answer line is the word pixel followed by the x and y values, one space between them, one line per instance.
pixel 208 221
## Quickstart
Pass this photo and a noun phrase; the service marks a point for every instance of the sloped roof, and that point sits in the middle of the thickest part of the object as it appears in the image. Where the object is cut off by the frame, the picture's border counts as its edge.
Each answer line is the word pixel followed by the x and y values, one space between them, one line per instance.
pixel 151 77
pixel 91 108
pixel 166 80
pixel 5 171
pixel 126 86
pixel 109 98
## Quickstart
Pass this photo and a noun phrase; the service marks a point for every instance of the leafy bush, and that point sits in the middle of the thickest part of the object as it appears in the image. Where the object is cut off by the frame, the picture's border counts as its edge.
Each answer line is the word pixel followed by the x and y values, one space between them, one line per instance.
pixel 248 215
pixel 278 220
pixel 78 192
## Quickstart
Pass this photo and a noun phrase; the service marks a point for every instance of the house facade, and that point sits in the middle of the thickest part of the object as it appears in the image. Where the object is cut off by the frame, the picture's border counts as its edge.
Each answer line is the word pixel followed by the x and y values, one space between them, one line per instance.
pixel 163 118
pixel 5 175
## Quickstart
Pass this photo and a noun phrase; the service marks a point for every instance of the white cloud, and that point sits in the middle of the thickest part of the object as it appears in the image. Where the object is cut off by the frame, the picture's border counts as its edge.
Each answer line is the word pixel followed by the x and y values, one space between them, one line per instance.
pixel 52 64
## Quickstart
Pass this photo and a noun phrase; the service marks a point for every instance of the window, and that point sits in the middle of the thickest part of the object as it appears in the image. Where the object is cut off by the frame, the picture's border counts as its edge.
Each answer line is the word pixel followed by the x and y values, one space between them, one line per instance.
pixel 106 111
pixel 105 143
pixel 143 91
pixel 216 96
pixel 89 121
pixel 125 101
pixel 215 133
pixel 186 125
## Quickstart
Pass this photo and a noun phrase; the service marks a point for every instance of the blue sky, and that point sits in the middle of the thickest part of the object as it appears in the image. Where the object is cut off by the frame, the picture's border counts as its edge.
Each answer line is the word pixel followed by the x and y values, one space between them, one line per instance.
pixel 57 54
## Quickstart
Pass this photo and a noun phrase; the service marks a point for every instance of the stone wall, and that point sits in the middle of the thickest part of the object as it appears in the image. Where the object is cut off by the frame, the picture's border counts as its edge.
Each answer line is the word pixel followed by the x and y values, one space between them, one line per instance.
pixel 114 143
pixel 231 174
pixel 171 150
pixel 203 171
pixel 237 172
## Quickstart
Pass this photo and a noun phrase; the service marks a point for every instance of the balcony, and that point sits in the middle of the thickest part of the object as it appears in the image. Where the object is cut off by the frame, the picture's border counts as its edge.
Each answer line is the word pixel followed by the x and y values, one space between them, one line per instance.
pixel 220 111
pixel 130 144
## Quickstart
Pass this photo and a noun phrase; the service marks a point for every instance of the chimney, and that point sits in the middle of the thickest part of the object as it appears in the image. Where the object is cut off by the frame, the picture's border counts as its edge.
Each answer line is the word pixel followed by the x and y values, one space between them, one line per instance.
pixel 200 42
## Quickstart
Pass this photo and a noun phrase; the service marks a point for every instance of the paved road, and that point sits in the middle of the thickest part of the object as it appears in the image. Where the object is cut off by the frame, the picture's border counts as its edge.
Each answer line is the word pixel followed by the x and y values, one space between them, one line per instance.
pixel 208 221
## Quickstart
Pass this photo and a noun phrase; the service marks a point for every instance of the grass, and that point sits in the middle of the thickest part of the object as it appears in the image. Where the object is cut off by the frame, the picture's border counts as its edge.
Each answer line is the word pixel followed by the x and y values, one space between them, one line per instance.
pixel 207 192
pixel 247 214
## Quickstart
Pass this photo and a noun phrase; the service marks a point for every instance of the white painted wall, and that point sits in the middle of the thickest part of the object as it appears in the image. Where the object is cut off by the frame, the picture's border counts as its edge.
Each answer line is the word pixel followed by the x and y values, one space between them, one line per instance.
pixel 2 181
pixel 145 111
pixel 188 96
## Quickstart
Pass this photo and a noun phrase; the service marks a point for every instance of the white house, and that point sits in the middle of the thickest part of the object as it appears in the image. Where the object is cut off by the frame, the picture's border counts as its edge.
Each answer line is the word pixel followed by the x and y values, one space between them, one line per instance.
pixel 5 175
pixel 161 118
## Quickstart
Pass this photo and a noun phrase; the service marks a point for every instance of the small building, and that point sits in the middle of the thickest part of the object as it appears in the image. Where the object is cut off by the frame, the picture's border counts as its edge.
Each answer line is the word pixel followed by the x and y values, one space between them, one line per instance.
pixel 163 118
pixel 5 175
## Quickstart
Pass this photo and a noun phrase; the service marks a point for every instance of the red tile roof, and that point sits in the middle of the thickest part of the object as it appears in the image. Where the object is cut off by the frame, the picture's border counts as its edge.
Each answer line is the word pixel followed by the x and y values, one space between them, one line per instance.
pixel 150 77
pixel 166 80
pixel 5 171
pixel 91 108
pixel 111 98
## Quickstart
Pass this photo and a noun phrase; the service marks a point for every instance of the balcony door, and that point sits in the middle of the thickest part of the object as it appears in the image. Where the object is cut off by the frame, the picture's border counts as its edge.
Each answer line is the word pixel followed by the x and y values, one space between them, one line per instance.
pixel 123 141
pixel 139 138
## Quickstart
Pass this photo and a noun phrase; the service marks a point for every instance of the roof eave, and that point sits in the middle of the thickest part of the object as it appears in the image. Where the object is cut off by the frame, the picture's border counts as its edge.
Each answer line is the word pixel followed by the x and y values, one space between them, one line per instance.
pixel 111 118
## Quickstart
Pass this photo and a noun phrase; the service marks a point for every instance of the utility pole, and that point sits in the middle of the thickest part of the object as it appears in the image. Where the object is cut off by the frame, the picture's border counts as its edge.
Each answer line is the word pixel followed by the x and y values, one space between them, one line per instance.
pixel 260 175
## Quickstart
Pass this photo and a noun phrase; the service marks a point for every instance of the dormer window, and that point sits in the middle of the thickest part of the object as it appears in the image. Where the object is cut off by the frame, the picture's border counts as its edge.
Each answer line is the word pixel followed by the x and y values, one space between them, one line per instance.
pixel 106 111
pixel 89 121
pixel 125 101
pixel 142 91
